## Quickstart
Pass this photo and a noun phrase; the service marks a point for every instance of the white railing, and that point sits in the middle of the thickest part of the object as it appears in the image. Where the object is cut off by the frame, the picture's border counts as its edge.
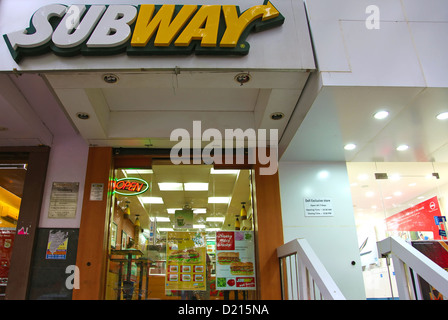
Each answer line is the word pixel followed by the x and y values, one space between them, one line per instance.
pixel 409 263
pixel 303 275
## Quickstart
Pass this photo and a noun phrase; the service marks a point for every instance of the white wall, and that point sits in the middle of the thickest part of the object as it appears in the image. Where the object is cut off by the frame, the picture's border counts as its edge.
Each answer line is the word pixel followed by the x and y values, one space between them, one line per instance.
pixel 333 238
pixel 405 50
pixel 67 163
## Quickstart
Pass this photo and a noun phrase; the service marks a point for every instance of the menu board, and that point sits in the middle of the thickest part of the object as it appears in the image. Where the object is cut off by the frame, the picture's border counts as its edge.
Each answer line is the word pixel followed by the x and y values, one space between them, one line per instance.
pixel 185 261
pixel 235 260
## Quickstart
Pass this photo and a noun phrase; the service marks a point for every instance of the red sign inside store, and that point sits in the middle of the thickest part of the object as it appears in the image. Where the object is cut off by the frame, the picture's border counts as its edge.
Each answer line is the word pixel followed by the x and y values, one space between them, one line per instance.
pixel 419 218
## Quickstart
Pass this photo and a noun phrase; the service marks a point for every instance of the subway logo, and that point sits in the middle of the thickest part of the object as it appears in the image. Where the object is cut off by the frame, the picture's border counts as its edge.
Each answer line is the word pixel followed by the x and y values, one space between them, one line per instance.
pixel 146 29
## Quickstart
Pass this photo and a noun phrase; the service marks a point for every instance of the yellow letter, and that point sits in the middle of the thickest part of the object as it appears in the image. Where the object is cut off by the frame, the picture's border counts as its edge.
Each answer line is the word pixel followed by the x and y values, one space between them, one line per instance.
pixel 207 17
pixel 236 25
pixel 167 30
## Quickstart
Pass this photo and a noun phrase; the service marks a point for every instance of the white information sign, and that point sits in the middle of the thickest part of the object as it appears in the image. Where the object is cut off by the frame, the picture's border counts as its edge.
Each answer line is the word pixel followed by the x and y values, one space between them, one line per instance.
pixel 318 207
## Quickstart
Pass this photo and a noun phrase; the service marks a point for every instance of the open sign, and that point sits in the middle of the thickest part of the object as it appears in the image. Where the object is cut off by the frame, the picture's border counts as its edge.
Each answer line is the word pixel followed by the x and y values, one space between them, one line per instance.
pixel 130 186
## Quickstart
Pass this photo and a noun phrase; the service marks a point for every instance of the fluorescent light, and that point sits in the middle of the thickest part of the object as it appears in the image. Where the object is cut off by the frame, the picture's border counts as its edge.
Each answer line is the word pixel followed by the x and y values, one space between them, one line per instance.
pixel 155 200
pixel 381 114
pixel 162 219
pixel 218 199
pixel 173 210
pixel 402 147
pixel 442 116
pixel 199 226
pixel 350 146
pixel 223 171
pixel 215 219
pixel 196 186
pixel 138 171
pixel 165 229
pixel 199 210
pixel 370 194
pixel 170 186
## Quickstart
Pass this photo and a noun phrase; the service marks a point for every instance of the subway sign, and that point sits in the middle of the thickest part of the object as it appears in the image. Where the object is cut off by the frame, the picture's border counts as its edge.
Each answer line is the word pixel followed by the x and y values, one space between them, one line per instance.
pixel 146 29
pixel 130 186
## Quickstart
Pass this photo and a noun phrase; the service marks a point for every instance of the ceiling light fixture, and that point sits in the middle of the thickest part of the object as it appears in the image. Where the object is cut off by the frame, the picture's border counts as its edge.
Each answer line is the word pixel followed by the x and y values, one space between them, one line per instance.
pixel 402 147
pixel 170 186
pixel 218 199
pixel 442 116
pixel 152 200
pixel 215 219
pixel 242 78
pixel 83 115
pixel 224 171
pixel 277 116
pixel 381 114
pixel 196 186
pixel 350 146
pixel 110 78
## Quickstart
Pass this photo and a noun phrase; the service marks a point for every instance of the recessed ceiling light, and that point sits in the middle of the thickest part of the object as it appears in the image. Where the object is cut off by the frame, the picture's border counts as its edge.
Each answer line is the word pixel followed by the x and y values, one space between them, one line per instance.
pixel 218 199
pixel 173 210
pixel 398 193
pixel 442 116
pixel 170 186
pixel 196 186
pixel 162 219
pixel 83 115
pixel 350 146
pixel 215 219
pixel 110 78
pixel 224 171
pixel 402 147
pixel 370 194
pixel 155 200
pixel 381 114
pixel 199 210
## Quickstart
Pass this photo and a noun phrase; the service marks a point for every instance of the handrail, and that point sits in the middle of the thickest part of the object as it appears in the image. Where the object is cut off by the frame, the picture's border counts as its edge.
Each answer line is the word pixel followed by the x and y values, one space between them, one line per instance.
pixel 405 256
pixel 309 264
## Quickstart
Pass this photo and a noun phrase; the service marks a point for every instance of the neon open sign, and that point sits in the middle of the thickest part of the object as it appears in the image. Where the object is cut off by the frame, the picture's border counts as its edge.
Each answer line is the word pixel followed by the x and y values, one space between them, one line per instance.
pixel 130 186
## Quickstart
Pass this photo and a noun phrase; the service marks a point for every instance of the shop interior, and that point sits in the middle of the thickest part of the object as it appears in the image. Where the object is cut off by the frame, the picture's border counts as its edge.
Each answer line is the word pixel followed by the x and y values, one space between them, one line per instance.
pixel 399 192
pixel 12 178
pixel 218 199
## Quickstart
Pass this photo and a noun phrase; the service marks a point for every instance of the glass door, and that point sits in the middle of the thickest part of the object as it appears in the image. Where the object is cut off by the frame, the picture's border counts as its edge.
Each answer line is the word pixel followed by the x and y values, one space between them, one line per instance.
pixel 164 228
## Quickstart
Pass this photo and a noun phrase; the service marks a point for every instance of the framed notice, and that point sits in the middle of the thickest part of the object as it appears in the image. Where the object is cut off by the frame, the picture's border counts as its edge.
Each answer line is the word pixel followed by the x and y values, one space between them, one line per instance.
pixel 63 200
pixel 186 261
pixel 235 260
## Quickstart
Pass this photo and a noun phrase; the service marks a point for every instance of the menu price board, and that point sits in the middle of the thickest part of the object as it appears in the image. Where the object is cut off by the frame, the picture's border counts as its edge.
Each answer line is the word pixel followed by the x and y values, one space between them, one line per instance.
pixel 235 260
pixel 185 261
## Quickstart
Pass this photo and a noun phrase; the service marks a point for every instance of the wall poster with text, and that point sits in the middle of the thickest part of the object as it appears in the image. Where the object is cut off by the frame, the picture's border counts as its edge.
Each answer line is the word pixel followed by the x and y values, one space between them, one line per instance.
pixel 235 260
pixel 417 222
pixel 185 261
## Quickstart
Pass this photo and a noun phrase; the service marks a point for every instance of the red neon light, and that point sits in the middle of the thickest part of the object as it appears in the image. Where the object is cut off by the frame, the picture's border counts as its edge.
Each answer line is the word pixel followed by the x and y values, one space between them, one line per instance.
pixel 129 185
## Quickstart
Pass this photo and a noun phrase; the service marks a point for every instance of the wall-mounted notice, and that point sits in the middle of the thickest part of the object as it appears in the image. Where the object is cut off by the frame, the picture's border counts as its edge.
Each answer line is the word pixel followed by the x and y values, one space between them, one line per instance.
pixel 235 260
pixel 63 200
pixel 318 207
pixel 57 245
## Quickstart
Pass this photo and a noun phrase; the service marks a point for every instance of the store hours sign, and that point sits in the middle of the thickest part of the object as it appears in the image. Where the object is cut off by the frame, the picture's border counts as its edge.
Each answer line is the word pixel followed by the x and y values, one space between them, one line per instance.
pixel 146 29
pixel 318 207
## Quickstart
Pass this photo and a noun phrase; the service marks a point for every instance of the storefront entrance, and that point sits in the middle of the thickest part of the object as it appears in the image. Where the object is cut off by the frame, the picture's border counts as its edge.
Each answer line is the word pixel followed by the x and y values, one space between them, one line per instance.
pixel 154 230
pixel 181 232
